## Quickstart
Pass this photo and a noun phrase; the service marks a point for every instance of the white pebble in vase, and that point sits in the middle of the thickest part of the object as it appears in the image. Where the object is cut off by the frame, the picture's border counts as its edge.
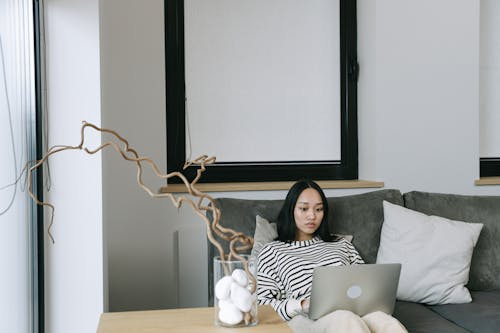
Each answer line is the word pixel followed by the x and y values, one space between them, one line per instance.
pixel 240 277
pixel 241 297
pixel 229 313
pixel 223 287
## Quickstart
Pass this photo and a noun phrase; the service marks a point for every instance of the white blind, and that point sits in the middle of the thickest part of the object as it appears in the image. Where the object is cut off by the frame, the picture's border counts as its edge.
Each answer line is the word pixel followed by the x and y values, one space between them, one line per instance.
pixel 263 79
pixel 16 137
pixel 490 79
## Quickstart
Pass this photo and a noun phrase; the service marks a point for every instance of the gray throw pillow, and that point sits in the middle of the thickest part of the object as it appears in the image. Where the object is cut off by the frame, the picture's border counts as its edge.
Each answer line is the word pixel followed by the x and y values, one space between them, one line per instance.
pixel 265 232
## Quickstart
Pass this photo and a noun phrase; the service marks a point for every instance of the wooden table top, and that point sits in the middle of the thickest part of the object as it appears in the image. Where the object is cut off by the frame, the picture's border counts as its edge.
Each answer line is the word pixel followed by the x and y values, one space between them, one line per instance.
pixel 183 320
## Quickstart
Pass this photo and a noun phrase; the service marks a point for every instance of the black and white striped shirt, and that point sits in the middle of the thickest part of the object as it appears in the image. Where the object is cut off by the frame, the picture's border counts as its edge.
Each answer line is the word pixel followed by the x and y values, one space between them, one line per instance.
pixel 284 270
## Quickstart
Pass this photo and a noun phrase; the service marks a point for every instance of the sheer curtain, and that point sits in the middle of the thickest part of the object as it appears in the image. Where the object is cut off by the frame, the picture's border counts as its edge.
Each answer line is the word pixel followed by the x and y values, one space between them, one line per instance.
pixel 17 137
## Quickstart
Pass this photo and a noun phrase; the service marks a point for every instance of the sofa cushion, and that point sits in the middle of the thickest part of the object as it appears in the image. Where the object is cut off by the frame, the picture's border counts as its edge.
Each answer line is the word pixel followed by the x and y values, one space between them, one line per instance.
pixel 480 316
pixel 485 265
pixel 435 254
pixel 417 318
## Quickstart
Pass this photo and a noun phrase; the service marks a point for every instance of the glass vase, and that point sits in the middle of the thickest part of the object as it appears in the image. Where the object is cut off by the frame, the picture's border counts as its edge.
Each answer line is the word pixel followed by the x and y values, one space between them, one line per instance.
pixel 235 292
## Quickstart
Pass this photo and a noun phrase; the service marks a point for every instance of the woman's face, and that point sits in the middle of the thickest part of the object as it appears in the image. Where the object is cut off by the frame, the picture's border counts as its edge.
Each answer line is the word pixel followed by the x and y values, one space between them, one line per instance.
pixel 308 214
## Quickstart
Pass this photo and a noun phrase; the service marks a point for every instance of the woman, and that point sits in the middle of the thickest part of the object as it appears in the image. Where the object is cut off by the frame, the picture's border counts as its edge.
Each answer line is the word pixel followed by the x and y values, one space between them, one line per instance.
pixel 285 266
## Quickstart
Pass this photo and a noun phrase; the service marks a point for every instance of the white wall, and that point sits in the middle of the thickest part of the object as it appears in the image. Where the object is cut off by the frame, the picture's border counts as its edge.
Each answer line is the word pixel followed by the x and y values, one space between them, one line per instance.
pixel 418 94
pixel 139 232
pixel 74 263
pixel 489 79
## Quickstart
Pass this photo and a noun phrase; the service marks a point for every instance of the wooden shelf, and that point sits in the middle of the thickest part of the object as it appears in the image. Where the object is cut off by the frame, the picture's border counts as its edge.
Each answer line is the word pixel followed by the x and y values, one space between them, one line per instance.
pixel 269 186
pixel 487 181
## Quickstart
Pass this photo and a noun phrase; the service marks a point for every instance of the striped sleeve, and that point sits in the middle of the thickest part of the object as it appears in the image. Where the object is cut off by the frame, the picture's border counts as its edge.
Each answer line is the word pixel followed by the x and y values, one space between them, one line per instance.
pixel 354 257
pixel 270 290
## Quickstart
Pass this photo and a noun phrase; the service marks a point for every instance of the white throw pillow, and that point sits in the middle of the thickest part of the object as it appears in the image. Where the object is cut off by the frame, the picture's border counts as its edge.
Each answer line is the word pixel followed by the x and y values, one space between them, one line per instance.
pixel 435 254
pixel 266 232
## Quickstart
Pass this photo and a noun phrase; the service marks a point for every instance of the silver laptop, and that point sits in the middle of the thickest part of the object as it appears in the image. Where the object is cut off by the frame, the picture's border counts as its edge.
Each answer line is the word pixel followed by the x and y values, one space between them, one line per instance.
pixel 361 289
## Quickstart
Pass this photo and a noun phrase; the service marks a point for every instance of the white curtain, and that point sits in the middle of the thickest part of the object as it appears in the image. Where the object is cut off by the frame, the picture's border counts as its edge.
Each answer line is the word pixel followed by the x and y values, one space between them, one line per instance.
pixel 17 109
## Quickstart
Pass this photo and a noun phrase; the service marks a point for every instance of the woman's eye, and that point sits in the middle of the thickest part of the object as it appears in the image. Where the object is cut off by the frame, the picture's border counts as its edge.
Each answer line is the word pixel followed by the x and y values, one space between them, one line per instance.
pixel 319 209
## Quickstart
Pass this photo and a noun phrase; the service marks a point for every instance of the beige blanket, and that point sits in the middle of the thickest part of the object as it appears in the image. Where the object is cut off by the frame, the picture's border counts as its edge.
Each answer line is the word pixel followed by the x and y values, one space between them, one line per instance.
pixel 347 322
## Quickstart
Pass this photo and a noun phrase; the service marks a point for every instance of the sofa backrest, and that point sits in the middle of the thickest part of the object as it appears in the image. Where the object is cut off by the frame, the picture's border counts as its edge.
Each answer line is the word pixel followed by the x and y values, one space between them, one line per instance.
pixel 360 215
pixel 485 267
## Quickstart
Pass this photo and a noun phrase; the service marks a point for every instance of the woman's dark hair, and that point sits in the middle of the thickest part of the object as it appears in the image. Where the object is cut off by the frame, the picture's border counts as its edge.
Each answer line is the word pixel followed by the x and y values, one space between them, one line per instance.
pixel 286 219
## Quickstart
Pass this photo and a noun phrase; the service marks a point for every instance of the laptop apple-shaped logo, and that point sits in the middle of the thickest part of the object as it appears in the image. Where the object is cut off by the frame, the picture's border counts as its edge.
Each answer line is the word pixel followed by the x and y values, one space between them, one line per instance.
pixel 354 291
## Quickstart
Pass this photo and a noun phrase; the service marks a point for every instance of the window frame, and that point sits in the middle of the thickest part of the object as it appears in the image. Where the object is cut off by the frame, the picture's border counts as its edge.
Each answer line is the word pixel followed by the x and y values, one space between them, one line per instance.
pixel 260 171
pixel 489 167
pixel 38 230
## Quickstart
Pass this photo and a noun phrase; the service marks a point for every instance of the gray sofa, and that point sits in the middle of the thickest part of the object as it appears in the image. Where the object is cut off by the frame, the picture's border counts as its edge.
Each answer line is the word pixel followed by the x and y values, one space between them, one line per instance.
pixel 362 216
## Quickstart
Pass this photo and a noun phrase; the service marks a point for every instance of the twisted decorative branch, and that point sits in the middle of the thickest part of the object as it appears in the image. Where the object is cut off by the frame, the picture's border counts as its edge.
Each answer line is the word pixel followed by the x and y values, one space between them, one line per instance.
pixel 131 155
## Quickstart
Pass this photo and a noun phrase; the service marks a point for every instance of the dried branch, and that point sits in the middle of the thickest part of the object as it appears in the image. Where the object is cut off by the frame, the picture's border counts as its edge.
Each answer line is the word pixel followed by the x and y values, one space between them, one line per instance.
pixel 131 155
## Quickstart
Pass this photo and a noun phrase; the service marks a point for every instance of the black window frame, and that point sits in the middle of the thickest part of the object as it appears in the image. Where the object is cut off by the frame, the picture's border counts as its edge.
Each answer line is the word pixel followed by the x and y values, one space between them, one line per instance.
pixel 260 171
pixel 38 230
pixel 489 167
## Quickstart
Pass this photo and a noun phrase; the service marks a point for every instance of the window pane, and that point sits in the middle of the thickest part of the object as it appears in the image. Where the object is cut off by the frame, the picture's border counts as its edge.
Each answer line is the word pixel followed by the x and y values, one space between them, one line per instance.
pixel 269 72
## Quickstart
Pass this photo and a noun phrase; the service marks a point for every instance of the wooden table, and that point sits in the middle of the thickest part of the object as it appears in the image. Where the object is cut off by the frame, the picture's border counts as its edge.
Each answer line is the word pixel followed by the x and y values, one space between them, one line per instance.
pixel 183 320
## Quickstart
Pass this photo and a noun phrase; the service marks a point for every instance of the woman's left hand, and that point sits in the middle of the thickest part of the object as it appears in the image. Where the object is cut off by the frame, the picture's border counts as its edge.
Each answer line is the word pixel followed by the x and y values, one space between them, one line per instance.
pixel 305 305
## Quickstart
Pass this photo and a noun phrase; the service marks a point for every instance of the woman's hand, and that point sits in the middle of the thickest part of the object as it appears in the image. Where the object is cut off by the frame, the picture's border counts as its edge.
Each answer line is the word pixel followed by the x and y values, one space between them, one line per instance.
pixel 305 305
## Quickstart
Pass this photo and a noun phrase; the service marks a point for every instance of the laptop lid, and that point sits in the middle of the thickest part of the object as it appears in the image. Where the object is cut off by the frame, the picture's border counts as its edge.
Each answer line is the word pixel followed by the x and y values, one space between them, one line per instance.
pixel 361 289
